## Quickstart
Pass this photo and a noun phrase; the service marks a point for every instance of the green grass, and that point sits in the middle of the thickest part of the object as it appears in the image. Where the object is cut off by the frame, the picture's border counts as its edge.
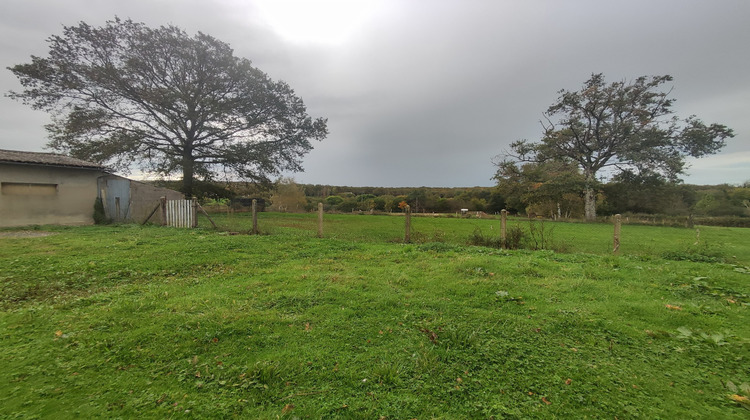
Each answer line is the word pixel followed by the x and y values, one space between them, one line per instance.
pixel 703 243
pixel 127 321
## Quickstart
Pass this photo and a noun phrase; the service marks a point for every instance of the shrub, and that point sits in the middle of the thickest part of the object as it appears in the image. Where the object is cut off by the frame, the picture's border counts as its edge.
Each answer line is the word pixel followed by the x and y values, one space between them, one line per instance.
pixel 538 237
pixel 478 239
pixel 100 218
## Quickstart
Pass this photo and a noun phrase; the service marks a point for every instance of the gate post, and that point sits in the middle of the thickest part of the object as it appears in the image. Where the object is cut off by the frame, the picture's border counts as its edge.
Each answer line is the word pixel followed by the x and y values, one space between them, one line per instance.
pixel 163 201
pixel 194 213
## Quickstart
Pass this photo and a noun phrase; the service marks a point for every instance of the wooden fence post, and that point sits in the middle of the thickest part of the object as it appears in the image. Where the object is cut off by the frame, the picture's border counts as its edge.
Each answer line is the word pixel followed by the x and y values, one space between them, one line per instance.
pixel 320 220
pixel 407 225
pixel 194 213
pixel 255 217
pixel 618 225
pixel 503 227
pixel 163 201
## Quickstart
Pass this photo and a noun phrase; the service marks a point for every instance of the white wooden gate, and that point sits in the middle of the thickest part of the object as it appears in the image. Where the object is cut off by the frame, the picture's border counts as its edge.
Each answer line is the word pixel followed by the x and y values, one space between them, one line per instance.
pixel 180 213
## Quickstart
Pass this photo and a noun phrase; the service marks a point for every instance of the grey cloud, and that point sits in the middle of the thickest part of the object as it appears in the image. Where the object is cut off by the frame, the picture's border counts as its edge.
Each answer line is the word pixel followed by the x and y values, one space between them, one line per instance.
pixel 427 92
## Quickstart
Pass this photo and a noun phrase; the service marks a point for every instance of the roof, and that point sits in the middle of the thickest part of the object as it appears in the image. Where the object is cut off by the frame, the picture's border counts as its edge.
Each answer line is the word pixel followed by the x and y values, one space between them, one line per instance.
pixel 49 159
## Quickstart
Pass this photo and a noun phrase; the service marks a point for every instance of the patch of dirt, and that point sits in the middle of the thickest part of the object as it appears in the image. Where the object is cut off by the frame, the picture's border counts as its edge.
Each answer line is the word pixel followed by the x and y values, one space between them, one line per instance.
pixel 26 234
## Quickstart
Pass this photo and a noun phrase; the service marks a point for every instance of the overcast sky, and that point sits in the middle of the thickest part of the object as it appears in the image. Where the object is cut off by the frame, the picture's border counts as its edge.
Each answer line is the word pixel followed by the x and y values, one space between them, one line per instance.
pixel 427 92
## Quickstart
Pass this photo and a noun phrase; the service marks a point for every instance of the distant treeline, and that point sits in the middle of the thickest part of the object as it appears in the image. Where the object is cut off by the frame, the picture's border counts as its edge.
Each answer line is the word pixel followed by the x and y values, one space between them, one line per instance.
pixel 663 199
pixel 536 199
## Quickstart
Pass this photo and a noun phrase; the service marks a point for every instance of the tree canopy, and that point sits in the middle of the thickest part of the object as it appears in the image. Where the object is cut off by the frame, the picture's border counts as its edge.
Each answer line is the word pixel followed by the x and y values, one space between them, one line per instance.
pixel 622 127
pixel 546 188
pixel 125 93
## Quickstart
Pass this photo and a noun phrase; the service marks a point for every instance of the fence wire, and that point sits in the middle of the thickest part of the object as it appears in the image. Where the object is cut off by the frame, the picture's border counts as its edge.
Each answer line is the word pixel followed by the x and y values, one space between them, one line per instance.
pixel 478 229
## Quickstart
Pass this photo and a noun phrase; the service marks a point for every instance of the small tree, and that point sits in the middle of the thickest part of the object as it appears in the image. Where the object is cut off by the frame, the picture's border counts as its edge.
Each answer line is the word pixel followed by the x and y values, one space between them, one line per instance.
pixel 620 127
pixel 289 197
pixel 126 93
pixel 549 188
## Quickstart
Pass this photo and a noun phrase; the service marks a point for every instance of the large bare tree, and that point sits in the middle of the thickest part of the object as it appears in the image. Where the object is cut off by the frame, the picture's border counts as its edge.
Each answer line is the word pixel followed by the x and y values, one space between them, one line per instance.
pixel 125 93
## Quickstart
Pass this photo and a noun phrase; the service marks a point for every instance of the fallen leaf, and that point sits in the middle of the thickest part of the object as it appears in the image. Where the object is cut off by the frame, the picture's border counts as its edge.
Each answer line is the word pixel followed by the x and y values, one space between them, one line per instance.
pixel 58 333
pixel 568 381
pixel 430 334
pixel 673 307
pixel 287 408
pixel 546 401
pixel 741 399
pixel 215 340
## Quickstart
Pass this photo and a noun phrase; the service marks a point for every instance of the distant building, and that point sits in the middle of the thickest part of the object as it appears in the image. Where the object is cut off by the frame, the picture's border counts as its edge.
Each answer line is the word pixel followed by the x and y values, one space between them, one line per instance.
pixel 48 188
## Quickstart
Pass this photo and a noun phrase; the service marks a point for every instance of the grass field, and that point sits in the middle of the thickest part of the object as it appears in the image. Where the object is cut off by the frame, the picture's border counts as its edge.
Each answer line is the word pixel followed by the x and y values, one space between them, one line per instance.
pixel 130 321
pixel 729 244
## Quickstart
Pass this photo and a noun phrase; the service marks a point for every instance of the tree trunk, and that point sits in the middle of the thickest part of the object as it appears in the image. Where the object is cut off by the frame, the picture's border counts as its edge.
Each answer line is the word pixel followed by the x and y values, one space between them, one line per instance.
pixel 187 176
pixel 589 198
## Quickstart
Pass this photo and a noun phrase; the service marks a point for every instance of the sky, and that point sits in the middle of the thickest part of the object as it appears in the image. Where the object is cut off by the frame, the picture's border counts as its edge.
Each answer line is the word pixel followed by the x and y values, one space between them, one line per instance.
pixel 429 92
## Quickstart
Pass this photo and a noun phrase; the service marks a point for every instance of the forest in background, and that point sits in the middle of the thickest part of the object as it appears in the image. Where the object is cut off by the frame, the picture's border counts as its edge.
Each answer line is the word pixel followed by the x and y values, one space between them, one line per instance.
pixel 556 198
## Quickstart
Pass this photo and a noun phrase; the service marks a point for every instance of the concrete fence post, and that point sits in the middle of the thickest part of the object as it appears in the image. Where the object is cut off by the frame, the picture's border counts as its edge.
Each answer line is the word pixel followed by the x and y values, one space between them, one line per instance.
pixel 616 241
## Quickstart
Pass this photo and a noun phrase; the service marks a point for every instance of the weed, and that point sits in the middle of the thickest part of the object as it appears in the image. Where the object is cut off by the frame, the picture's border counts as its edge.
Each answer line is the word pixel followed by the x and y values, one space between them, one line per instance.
pixel 387 373
pixel 700 251
pixel 477 238
pixel 538 237
pixel 514 237
pixel 99 216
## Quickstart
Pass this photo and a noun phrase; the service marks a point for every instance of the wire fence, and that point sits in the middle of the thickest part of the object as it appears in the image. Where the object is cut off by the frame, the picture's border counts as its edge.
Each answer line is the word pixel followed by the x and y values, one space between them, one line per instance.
pixel 606 237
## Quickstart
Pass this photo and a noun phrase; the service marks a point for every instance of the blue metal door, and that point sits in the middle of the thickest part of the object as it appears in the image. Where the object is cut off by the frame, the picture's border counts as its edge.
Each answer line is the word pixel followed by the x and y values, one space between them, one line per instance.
pixel 116 199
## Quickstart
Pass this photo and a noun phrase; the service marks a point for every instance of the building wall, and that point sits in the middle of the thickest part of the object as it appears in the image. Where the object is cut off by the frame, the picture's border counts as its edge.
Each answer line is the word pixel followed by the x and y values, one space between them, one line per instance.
pixel 143 198
pixel 38 195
